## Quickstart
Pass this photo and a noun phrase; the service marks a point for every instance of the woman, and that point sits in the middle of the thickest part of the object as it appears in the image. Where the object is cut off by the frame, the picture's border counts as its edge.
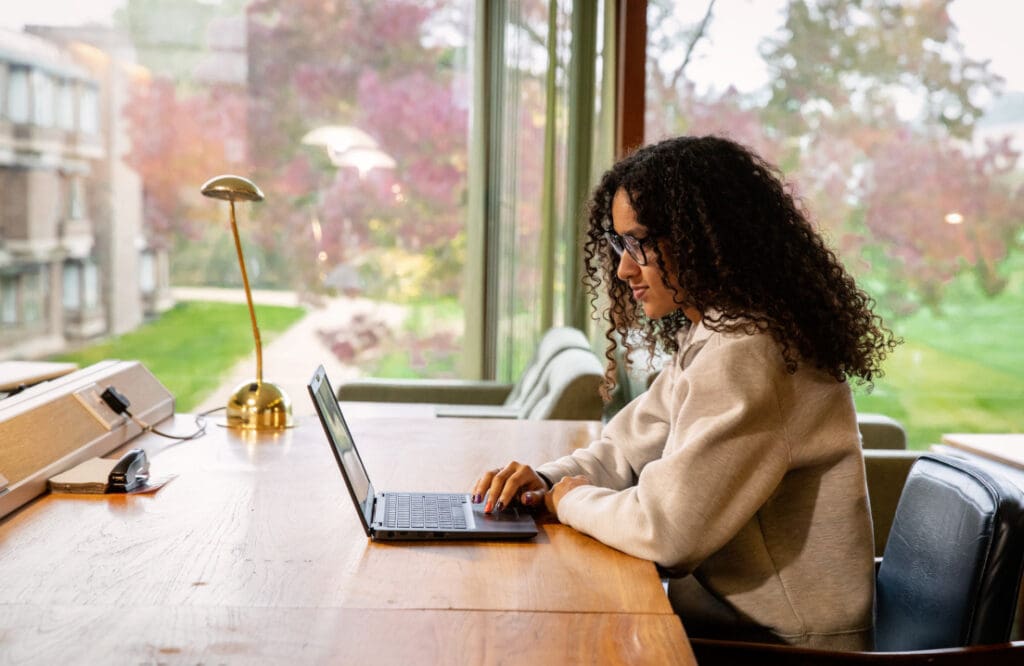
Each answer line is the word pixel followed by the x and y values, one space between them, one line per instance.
pixel 741 465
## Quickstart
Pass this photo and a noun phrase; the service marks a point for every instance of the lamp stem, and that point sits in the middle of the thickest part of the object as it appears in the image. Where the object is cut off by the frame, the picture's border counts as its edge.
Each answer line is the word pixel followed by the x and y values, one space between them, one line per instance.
pixel 248 297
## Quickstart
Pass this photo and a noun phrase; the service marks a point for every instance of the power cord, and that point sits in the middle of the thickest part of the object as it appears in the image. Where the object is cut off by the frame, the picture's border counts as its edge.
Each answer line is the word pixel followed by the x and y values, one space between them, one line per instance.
pixel 120 404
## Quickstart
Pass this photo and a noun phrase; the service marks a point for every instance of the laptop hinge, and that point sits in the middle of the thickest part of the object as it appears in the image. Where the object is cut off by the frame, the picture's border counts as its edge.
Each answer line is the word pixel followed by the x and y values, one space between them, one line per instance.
pixel 378 500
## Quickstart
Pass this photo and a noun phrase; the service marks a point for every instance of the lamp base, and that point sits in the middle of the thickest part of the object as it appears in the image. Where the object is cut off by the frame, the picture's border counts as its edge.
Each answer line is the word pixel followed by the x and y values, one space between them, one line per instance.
pixel 259 406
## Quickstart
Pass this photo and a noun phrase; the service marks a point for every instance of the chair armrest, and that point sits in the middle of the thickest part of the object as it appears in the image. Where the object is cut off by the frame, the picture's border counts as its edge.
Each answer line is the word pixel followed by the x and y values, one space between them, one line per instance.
pixel 445 391
pixel 886 471
pixel 711 652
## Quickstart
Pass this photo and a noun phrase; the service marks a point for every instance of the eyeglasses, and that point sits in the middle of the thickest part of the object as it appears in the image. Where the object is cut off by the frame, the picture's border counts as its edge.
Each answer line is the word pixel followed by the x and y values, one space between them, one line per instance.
pixel 631 245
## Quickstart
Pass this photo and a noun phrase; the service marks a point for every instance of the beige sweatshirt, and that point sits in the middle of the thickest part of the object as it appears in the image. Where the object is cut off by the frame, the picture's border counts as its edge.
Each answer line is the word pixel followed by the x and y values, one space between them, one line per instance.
pixel 750 478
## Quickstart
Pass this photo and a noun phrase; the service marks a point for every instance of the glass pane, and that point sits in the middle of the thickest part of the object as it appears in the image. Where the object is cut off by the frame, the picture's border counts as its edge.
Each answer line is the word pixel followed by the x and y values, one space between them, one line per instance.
pixel 88 111
pixel 351 117
pixel 17 95
pixel 147 273
pixel 43 96
pixel 66 106
pixel 91 284
pixel 71 289
pixel 9 300
pixel 899 124
pixel 76 203
pixel 536 108
pixel 33 293
pixel 524 122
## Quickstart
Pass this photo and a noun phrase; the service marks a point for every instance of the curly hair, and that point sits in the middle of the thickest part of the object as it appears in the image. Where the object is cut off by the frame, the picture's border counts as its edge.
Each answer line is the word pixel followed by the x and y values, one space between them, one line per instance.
pixel 743 253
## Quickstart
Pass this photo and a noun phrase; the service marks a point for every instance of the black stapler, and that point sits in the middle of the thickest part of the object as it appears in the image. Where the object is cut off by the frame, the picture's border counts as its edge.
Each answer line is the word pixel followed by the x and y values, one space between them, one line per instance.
pixel 130 472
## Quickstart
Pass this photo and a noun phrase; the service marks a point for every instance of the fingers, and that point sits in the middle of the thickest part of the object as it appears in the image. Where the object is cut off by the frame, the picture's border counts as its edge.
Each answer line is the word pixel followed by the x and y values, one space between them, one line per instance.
pixel 550 503
pixel 482 484
pixel 533 498
pixel 501 487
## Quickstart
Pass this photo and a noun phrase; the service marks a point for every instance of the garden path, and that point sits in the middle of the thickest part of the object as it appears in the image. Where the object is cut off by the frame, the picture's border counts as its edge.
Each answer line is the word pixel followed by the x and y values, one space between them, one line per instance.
pixel 290 358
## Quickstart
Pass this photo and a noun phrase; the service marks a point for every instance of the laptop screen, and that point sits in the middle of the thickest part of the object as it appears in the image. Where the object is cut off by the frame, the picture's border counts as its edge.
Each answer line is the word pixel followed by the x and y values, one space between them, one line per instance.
pixel 341 438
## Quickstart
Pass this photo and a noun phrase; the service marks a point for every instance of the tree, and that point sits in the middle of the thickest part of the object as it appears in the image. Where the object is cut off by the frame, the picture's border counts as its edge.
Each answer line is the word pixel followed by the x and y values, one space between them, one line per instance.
pixel 880 179
pixel 385 67
pixel 939 209
pixel 841 76
pixel 179 140
pixel 856 58
pixel 366 65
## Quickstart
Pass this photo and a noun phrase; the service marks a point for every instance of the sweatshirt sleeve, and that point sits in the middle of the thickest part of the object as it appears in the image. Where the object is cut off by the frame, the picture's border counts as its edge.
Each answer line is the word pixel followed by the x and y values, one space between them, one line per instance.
pixel 635 436
pixel 726 453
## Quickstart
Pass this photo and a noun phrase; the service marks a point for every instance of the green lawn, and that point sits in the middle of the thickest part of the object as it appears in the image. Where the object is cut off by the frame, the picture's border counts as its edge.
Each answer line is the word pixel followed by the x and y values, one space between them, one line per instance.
pixel 191 347
pixel 959 371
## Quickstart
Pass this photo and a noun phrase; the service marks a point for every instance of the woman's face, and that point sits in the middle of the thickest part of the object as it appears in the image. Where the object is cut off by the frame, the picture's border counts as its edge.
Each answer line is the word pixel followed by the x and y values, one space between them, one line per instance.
pixel 646 282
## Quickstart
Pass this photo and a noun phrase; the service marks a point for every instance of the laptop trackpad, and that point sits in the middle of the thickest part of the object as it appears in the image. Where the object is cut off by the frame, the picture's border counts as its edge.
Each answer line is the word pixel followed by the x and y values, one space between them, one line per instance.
pixel 512 514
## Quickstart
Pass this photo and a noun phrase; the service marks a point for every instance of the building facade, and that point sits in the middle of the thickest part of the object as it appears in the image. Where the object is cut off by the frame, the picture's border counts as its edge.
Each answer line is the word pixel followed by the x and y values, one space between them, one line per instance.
pixel 75 260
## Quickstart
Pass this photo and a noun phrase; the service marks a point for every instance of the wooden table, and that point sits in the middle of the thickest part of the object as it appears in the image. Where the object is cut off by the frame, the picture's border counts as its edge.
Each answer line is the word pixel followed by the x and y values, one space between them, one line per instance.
pixel 254 553
pixel 1007 449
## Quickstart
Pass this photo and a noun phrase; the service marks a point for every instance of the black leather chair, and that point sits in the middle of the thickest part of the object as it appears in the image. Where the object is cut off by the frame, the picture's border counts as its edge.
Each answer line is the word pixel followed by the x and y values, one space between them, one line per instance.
pixel 948 582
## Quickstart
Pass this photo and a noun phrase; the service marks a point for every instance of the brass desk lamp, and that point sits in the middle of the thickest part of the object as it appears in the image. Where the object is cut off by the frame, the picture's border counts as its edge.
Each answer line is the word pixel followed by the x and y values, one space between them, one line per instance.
pixel 257 405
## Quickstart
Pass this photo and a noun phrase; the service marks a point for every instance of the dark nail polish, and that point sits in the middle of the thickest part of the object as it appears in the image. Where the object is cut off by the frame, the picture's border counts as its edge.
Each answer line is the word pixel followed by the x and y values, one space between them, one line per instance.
pixel 476 499
pixel 498 507
pixel 528 498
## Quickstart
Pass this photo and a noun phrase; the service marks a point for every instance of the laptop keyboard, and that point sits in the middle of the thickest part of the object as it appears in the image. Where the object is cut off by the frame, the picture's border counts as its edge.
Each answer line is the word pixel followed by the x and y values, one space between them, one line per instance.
pixel 405 510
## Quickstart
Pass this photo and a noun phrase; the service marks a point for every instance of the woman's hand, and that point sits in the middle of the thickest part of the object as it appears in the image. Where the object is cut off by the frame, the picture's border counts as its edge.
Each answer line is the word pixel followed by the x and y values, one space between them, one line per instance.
pixel 501 487
pixel 518 481
pixel 558 491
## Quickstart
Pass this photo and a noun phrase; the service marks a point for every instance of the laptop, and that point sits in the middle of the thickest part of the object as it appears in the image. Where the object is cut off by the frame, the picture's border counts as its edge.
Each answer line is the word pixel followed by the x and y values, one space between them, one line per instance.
pixel 405 515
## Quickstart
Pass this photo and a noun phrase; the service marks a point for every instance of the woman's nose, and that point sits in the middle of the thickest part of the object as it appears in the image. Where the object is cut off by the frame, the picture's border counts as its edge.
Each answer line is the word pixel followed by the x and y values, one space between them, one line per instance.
pixel 627 266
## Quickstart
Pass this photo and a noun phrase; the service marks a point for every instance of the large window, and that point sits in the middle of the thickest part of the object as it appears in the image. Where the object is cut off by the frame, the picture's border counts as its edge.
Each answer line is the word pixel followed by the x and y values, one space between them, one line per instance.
pixel 352 118
pixel 899 124
pixel 547 145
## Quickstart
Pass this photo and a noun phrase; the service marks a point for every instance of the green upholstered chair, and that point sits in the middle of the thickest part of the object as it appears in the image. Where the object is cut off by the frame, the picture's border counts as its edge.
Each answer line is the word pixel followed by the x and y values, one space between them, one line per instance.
pixel 568 389
pixel 886 472
pixel 879 431
pixel 492 399
pixel 887 463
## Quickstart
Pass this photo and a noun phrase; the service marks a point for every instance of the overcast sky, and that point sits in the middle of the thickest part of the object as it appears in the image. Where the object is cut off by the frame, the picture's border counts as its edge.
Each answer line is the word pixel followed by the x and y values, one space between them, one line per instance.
pixel 988 28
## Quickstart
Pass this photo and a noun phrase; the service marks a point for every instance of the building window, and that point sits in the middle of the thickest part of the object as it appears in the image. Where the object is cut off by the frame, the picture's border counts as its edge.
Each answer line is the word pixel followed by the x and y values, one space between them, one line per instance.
pixel 76 198
pixel 9 300
pixel 147 272
pixel 91 284
pixel 88 111
pixel 72 292
pixel 66 105
pixel 34 289
pixel 17 94
pixel 43 98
